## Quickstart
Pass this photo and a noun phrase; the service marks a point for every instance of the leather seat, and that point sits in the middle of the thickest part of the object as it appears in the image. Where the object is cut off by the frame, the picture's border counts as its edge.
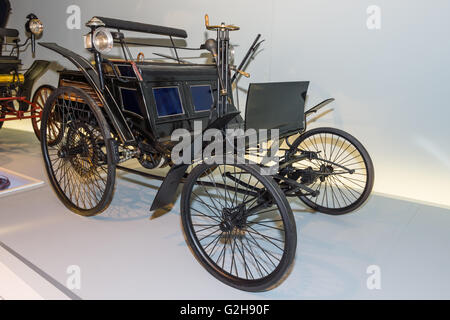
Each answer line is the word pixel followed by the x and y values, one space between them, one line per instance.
pixel 11 33
pixel 9 59
pixel 8 64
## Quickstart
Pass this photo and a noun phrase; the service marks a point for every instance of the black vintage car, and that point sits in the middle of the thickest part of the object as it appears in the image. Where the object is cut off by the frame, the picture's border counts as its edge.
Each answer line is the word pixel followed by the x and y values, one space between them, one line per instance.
pixel 237 220
pixel 16 87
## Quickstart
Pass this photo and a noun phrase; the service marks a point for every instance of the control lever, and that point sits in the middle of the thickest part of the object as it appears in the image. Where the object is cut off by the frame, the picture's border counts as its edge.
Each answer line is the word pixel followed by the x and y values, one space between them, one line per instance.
pixel 211 46
pixel 245 74
pixel 221 27
pixel 249 54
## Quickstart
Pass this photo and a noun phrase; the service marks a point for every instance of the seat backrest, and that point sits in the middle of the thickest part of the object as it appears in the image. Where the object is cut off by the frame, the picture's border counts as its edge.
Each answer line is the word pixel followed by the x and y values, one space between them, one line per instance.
pixel 276 105
pixel 12 33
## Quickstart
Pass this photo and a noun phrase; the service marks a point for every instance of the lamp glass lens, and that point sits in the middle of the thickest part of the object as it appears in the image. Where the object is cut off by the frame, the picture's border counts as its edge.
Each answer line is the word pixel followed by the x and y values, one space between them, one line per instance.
pixel 36 26
pixel 103 41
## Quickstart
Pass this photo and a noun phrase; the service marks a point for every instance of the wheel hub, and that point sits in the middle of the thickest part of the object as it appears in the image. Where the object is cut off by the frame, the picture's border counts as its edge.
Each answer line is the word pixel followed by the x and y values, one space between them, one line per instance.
pixel 81 149
pixel 308 176
pixel 233 219
pixel 147 156
pixel 326 169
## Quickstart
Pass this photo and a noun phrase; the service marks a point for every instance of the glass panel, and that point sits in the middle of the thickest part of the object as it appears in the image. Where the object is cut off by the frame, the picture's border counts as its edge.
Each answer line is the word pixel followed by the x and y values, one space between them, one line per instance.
pixel 202 97
pixel 130 100
pixel 126 71
pixel 168 101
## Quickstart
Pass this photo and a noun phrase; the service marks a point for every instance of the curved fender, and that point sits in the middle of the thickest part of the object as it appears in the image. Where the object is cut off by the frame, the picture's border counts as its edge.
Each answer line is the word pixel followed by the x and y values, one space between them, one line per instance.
pixel 37 69
pixel 112 108
pixel 166 192
pixel 168 188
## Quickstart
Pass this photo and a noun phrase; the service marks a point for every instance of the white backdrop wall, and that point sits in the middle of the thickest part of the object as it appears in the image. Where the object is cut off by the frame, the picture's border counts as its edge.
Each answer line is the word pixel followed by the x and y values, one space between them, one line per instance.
pixel 391 84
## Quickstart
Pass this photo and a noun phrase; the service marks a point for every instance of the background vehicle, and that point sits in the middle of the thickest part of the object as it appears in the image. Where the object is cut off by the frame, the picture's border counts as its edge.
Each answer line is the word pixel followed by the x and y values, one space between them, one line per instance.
pixel 237 221
pixel 15 87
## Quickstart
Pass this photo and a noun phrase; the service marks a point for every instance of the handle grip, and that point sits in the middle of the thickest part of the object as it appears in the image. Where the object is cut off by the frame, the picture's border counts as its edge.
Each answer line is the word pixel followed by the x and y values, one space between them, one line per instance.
pixel 245 74
pixel 222 27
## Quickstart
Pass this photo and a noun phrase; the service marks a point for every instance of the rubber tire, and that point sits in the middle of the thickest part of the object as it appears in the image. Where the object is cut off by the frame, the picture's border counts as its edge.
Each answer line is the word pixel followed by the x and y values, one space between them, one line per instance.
pixel 367 161
pixel 282 270
pixel 36 128
pixel 2 116
pixel 104 129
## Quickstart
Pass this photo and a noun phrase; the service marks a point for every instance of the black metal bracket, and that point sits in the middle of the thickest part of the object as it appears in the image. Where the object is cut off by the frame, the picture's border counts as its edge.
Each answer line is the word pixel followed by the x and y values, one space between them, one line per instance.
pixel 115 150
pixel 318 106
pixel 297 186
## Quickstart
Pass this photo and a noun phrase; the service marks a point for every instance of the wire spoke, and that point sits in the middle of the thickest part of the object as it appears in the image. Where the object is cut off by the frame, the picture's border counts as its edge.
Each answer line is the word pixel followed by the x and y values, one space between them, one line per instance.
pixel 246 246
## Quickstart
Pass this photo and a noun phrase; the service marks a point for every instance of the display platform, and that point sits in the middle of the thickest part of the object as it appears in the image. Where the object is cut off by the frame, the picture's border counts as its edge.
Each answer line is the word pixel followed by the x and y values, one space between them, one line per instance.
pixel 17 182
pixel 129 253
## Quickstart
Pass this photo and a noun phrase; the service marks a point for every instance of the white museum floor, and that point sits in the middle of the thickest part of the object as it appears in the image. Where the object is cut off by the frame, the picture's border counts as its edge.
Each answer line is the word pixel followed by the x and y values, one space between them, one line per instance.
pixel 128 253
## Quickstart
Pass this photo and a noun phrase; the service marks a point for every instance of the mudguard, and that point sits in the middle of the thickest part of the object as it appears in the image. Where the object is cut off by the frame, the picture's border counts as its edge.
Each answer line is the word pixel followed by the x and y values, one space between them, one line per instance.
pixel 168 188
pixel 37 69
pixel 111 107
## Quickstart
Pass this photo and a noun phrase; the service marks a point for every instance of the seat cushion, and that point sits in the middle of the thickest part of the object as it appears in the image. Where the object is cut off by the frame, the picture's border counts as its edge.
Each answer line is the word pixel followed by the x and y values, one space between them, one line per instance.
pixel 12 33
pixel 8 64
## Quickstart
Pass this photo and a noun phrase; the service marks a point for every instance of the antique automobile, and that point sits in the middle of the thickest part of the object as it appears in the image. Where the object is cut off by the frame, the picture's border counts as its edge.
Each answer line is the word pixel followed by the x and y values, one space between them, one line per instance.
pixel 16 87
pixel 237 220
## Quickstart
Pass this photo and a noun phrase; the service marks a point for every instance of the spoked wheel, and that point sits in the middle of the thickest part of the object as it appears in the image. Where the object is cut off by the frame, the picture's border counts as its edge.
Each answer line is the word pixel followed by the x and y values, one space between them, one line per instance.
pixel 342 172
pixel 2 115
pixel 40 98
pixel 77 151
pixel 239 225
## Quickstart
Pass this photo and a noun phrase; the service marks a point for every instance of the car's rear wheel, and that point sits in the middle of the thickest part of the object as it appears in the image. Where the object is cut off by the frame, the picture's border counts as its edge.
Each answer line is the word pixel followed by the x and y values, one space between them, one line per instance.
pixel 40 97
pixel 343 169
pixel 77 149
